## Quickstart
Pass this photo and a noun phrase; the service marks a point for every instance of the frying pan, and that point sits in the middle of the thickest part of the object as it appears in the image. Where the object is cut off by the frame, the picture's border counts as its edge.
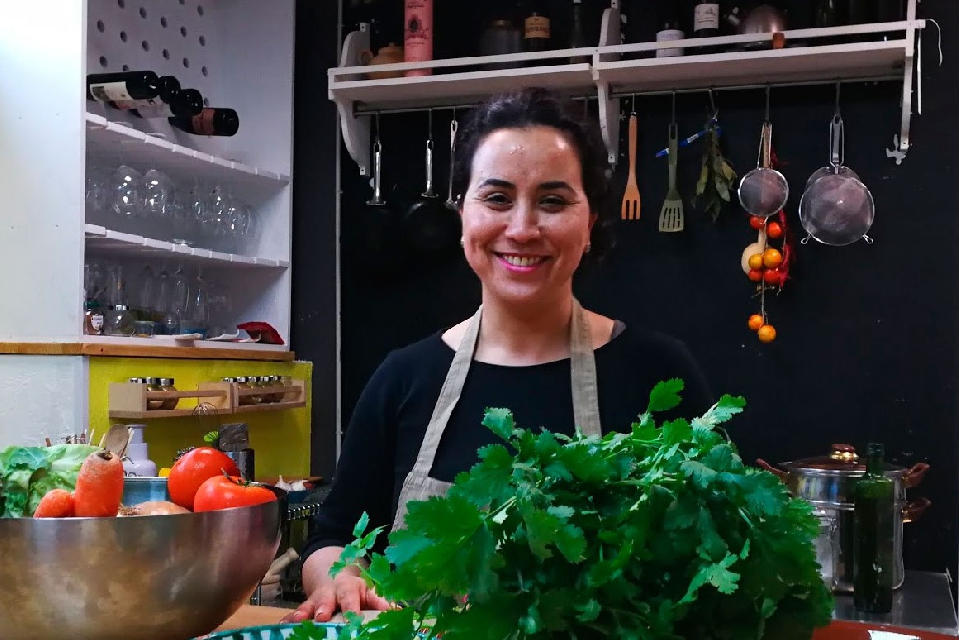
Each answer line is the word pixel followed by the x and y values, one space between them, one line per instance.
pixel 836 208
pixel 431 226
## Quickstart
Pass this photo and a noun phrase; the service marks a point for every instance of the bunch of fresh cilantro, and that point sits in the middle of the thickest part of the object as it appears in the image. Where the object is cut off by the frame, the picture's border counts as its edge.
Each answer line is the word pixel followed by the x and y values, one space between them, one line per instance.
pixel 659 533
pixel 28 473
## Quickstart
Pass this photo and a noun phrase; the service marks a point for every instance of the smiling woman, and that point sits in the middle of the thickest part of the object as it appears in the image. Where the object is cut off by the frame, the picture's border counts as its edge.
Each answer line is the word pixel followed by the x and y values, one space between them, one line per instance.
pixel 532 179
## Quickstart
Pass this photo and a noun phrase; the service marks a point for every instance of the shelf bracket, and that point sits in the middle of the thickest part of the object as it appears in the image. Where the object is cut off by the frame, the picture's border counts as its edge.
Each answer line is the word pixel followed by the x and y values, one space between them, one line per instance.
pixel 356 129
pixel 610 34
pixel 901 140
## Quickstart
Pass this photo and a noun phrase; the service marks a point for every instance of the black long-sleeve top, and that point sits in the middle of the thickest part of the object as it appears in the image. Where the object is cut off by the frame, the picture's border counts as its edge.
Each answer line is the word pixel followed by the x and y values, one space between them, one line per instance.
pixel 392 413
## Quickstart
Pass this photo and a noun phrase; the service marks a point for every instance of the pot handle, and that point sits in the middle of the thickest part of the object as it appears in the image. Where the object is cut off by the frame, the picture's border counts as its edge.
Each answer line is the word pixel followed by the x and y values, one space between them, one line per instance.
pixel 915 508
pixel 768 467
pixel 914 475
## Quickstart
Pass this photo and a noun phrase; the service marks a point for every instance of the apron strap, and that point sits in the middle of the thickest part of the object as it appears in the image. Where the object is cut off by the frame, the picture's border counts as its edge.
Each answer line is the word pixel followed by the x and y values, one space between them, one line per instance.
pixel 449 395
pixel 583 375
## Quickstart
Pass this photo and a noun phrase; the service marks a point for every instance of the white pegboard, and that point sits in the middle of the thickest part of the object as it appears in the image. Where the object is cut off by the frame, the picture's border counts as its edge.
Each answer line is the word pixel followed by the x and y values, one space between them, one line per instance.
pixel 171 37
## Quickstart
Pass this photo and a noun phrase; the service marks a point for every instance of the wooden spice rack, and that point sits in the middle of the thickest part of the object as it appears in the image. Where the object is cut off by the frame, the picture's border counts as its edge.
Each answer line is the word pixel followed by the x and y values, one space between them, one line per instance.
pixel 130 400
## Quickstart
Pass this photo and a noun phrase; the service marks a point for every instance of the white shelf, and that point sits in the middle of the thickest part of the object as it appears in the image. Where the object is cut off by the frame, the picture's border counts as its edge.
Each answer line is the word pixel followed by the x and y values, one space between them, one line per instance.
pixel 810 56
pixel 861 60
pixel 111 141
pixel 105 241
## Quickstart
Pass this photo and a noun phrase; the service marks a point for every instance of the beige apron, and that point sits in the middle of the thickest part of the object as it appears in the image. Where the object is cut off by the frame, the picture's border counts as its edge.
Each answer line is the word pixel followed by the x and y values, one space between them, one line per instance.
pixel 418 484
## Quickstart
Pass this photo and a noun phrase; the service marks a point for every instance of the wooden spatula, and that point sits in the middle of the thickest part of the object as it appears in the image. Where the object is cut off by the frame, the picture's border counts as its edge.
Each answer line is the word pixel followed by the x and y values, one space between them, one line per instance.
pixel 631 199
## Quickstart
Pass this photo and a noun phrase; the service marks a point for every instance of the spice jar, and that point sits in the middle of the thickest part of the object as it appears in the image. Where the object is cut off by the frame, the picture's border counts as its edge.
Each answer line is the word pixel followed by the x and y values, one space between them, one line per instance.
pixel 243 384
pixel 93 319
pixel 287 396
pixel 153 384
pixel 166 384
pixel 275 382
pixel 261 382
pixel 118 321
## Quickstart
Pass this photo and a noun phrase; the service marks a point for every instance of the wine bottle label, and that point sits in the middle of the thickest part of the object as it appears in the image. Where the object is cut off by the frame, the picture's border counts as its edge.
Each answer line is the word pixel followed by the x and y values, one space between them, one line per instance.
pixel 158 110
pixel 537 27
pixel 96 321
pixel 107 91
pixel 203 123
pixel 706 16
pixel 137 104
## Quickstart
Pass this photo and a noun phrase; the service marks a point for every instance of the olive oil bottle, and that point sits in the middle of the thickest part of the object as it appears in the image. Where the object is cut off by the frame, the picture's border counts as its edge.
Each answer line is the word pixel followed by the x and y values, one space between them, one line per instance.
pixel 874 530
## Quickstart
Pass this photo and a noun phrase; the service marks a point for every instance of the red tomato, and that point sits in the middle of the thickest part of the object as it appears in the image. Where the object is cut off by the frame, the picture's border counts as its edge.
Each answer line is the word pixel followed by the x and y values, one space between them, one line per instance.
pixel 771 276
pixel 755 275
pixel 756 222
pixel 221 492
pixel 193 469
pixel 774 230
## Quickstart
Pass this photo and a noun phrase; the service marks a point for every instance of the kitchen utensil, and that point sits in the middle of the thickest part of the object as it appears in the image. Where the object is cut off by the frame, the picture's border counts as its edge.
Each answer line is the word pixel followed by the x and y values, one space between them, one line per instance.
pixel 764 191
pixel 630 208
pixel 451 203
pixel 431 225
pixel 828 483
pixel 836 208
pixel 132 578
pixel 671 214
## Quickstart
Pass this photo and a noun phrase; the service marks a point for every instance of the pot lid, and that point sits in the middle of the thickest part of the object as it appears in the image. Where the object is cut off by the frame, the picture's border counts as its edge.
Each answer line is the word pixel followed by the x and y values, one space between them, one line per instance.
pixel 842 457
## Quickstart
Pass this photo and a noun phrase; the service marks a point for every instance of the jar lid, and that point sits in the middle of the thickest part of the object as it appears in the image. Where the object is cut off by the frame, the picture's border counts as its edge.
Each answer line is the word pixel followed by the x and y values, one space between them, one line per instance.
pixel 153 381
pixel 229 379
pixel 166 382
pixel 137 380
pixel 120 307
pixel 240 379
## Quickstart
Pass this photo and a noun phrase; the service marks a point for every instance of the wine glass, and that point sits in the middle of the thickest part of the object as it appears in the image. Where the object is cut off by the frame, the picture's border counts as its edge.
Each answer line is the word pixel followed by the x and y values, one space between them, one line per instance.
pixel 158 193
pixel 126 184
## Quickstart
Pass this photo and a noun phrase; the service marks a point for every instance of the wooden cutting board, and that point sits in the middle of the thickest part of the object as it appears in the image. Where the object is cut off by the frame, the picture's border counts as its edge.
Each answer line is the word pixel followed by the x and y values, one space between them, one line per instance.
pixel 252 616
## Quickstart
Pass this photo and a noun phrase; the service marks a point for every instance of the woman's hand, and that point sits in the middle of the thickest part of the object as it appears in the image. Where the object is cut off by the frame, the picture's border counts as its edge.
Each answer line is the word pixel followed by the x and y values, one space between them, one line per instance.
pixel 328 596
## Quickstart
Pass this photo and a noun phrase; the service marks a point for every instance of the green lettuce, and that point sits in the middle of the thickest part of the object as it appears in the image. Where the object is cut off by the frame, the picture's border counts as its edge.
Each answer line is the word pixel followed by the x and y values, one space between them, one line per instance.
pixel 28 473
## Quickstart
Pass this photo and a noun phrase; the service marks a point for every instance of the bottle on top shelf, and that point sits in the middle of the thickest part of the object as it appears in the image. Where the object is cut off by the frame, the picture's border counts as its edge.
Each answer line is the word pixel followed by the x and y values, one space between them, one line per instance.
pixel 577 32
pixel 706 23
pixel 536 29
pixel 141 91
pixel 211 121
pixel 669 31
pixel 418 34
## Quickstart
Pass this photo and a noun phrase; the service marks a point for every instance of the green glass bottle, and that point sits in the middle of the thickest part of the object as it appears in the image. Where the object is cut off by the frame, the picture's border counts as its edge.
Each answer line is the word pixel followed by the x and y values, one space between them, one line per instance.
pixel 874 527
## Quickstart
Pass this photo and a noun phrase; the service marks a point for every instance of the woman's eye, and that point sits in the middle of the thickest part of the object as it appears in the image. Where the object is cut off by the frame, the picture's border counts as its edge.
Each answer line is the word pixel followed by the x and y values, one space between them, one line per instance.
pixel 553 202
pixel 498 199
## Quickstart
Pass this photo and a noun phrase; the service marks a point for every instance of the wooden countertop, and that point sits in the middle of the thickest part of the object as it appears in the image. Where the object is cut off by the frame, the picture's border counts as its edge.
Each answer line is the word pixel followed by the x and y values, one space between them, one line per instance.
pixel 145 348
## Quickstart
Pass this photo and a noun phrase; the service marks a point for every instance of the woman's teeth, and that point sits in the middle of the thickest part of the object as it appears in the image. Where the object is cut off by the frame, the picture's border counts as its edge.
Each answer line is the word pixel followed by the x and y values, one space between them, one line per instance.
pixel 523 261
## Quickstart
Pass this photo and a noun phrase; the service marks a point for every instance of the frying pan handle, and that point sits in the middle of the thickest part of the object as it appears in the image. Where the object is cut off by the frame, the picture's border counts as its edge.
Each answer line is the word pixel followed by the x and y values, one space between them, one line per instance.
pixel 915 474
pixel 429 193
pixel 915 508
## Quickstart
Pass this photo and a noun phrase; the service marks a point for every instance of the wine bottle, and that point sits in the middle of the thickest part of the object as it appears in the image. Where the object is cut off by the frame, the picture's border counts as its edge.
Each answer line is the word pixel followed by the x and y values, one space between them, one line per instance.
pixel 211 121
pixel 706 19
pixel 577 35
pixel 185 103
pixel 670 30
pixel 536 30
pixel 874 529
pixel 890 10
pixel 130 89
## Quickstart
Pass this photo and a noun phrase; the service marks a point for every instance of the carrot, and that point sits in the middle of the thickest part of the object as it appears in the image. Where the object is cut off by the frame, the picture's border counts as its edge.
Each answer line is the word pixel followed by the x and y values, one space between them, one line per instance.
pixel 57 503
pixel 99 487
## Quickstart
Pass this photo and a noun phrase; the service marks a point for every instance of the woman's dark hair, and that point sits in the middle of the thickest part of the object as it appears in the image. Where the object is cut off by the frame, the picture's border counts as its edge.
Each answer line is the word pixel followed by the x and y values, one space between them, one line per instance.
pixel 532 107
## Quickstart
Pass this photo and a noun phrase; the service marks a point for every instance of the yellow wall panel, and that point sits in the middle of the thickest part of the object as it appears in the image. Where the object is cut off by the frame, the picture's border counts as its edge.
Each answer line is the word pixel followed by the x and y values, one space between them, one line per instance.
pixel 281 439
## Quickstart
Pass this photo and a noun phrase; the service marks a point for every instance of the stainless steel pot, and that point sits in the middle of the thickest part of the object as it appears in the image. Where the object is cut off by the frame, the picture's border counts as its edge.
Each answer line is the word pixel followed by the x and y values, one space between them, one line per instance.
pixel 828 483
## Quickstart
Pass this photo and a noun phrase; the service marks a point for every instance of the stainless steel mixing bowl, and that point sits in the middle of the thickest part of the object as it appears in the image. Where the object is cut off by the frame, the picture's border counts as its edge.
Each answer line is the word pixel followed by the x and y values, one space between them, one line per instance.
pixel 166 577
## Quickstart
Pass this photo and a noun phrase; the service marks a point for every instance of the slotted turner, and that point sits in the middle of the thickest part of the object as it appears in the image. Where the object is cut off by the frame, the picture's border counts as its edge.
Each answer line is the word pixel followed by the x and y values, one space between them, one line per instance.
pixel 631 200
pixel 671 215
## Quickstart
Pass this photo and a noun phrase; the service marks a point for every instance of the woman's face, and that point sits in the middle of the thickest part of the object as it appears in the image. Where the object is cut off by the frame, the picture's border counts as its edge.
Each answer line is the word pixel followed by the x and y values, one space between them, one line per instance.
pixel 526 219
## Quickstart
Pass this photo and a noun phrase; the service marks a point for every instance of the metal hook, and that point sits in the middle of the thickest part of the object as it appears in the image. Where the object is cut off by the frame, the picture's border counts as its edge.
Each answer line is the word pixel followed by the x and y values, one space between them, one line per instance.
pixel 712 104
pixel 674 108
pixel 632 108
pixel 837 100
pixel 767 103
pixel 376 145
pixel 429 120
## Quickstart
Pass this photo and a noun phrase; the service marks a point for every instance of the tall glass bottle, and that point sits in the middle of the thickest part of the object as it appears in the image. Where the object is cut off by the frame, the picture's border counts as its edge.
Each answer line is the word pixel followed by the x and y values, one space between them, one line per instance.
pixel 874 527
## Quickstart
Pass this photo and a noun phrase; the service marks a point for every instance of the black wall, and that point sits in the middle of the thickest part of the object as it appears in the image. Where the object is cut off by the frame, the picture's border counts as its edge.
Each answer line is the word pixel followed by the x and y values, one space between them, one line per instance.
pixel 314 220
pixel 868 336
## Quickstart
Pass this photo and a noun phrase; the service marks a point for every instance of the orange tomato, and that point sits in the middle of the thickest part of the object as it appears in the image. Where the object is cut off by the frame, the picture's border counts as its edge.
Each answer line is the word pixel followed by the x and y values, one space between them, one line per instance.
pixel 755 321
pixel 755 275
pixel 756 222
pixel 767 333
pixel 771 276
pixel 774 230
pixel 772 258
pixel 755 261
